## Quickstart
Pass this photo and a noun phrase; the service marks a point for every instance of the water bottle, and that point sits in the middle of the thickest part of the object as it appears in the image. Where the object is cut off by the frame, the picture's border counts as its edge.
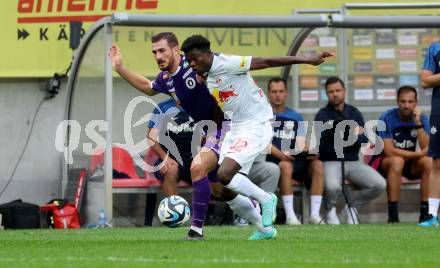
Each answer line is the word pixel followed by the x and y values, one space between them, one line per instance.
pixel 102 223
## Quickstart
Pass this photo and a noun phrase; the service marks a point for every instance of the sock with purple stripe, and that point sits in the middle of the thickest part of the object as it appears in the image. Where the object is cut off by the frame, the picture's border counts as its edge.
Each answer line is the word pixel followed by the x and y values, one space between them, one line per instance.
pixel 200 199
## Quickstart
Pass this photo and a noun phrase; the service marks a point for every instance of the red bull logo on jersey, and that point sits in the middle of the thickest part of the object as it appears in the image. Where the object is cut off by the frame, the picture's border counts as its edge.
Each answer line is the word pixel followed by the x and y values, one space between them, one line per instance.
pixel 227 94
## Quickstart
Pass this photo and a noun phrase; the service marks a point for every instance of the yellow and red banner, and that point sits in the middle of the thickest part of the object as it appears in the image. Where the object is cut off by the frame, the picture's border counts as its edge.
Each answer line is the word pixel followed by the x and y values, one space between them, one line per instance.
pixel 35 33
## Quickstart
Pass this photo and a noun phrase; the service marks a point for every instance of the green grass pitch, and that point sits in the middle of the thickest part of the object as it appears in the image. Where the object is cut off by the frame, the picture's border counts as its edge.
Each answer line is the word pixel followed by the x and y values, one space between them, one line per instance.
pixel 401 245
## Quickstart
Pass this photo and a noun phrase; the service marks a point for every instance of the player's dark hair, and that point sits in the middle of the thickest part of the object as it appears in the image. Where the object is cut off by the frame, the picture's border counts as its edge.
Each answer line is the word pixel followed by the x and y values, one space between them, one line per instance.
pixel 196 42
pixel 170 37
pixel 276 79
pixel 406 88
pixel 333 80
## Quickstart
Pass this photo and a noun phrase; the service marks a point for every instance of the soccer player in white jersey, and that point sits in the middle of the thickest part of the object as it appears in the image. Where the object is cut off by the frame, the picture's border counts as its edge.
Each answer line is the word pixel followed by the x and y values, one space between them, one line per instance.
pixel 246 106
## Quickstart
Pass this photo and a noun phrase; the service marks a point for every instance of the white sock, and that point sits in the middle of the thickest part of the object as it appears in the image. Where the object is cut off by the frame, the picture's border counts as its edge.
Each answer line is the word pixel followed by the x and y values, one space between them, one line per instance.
pixel 243 207
pixel 433 206
pixel 288 206
pixel 242 185
pixel 197 229
pixel 315 201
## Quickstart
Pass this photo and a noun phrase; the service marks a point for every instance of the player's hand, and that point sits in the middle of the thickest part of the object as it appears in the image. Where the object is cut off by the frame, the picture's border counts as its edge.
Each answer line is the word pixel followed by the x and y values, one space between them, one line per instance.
pixel 319 58
pixel 115 55
pixel 313 157
pixel 417 112
pixel 287 157
pixel 424 152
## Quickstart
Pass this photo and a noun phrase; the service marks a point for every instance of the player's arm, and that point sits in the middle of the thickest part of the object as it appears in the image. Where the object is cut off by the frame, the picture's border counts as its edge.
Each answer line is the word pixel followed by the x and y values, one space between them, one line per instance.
pixel 138 81
pixel 423 138
pixel 263 63
pixel 217 114
pixel 300 143
pixel 390 150
pixel 152 139
pixel 423 128
pixel 428 79
pixel 275 152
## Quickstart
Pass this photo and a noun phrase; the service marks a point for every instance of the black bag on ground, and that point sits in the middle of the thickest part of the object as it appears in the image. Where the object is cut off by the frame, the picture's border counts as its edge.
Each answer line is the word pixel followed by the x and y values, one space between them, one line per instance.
pixel 20 215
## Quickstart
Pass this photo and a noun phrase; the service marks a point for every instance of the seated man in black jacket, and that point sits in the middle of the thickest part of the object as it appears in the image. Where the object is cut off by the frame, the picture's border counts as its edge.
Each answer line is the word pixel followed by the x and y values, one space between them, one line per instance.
pixel 369 180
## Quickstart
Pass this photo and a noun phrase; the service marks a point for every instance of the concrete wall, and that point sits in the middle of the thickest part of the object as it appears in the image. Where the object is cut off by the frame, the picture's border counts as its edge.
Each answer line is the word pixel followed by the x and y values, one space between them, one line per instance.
pixel 37 178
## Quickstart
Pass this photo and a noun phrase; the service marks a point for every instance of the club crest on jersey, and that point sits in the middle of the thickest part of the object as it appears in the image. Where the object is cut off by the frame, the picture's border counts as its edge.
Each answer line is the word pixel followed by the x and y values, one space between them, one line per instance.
pixel 190 83
pixel 433 130
pixel 165 76
pixel 414 133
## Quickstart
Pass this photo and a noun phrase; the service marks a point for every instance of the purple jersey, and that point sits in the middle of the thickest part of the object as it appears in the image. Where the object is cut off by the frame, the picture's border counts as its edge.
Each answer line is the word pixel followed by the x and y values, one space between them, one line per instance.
pixel 182 85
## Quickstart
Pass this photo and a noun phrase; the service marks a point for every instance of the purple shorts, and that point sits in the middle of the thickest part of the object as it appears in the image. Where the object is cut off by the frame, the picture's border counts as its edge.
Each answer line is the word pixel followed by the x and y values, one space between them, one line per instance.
pixel 213 141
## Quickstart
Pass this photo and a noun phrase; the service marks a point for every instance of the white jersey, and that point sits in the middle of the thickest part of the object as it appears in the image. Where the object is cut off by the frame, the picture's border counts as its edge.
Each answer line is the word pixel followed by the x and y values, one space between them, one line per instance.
pixel 240 97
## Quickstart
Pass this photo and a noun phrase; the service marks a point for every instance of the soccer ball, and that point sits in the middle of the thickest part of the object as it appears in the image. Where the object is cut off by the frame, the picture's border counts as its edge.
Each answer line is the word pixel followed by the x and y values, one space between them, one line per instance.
pixel 173 211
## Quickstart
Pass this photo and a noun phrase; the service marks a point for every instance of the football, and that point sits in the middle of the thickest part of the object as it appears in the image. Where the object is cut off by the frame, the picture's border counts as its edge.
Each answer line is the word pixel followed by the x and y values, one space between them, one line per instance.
pixel 173 211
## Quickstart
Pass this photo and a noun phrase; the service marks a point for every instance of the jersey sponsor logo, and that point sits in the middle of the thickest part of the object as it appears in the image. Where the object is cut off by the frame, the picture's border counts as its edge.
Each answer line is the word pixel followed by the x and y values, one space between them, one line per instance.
pixel 190 83
pixel 185 127
pixel 406 144
pixel 226 95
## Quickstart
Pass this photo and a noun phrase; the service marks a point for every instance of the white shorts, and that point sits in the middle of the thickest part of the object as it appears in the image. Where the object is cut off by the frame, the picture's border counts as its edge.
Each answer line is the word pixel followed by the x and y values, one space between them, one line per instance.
pixel 244 142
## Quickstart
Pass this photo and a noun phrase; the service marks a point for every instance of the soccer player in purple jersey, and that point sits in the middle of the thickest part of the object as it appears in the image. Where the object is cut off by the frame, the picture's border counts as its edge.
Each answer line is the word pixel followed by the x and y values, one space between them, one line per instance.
pixel 179 81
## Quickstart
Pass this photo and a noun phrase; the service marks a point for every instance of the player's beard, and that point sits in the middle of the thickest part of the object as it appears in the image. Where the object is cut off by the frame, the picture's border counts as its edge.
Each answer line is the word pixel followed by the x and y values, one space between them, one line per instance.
pixel 406 114
pixel 336 101
pixel 164 68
